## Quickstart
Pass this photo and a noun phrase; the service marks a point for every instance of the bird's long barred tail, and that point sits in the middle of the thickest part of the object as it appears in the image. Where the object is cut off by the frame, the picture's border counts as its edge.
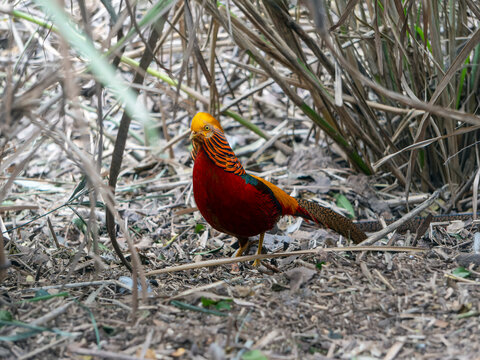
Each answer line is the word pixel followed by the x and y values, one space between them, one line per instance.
pixel 330 219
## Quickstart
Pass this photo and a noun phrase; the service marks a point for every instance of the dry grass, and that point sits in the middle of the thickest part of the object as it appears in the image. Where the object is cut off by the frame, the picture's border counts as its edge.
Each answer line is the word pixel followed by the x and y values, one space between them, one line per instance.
pixel 387 88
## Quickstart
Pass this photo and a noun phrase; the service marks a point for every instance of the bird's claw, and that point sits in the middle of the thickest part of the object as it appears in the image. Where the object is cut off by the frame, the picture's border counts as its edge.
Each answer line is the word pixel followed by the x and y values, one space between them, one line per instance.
pixel 257 262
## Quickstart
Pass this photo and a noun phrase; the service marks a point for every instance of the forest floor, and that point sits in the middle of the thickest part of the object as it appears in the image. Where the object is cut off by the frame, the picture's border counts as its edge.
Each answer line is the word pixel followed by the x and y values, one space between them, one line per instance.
pixel 330 305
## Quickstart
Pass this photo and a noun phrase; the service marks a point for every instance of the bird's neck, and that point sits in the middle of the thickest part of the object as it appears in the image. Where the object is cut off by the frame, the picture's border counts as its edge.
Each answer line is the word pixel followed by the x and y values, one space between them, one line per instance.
pixel 219 151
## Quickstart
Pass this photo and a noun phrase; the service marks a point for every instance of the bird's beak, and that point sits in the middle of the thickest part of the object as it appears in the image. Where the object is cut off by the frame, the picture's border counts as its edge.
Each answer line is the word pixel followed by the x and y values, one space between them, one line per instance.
pixel 193 135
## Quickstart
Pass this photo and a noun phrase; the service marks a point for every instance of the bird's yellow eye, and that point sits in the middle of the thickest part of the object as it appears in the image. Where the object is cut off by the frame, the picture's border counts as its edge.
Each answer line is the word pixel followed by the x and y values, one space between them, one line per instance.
pixel 207 127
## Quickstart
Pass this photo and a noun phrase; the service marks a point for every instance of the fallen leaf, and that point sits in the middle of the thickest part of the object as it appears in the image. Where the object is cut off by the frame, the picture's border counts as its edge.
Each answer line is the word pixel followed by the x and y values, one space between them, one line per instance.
pixel 254 355
pixel 149 354
pixel 461 272
pixel 144 243
pixel 455 226
pixel 243 291
pixel 299 276
pixel 441 324
pixel 179 352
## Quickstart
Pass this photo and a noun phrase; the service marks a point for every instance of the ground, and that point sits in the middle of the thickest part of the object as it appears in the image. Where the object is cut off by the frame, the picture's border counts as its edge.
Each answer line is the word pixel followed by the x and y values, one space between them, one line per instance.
pixel 377 305
pixel 327 305
pixel 65 293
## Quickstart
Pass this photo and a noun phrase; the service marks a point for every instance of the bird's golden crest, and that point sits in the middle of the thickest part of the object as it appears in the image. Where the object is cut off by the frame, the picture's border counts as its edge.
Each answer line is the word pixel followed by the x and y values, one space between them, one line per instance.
pixel 203 125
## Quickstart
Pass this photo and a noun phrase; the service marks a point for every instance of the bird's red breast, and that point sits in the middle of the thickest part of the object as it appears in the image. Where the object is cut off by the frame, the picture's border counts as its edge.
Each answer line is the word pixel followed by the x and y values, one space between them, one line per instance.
pixel 232 203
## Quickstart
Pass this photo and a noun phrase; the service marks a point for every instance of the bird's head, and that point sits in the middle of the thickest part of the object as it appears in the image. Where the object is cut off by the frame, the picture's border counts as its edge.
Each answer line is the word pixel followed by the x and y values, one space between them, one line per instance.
pixel 203 126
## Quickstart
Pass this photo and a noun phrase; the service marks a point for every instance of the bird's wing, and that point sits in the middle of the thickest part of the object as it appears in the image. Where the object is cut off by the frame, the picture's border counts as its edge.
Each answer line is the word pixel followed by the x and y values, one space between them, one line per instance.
pixel 288 204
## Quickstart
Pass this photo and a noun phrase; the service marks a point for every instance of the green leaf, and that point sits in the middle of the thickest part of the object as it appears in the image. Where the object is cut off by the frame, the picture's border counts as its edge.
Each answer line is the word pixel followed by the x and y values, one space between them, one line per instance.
pixel 342 201
pixel 5 315
pixel 19 336
pixel 24 335
pixel 471 313
pixel 461 272
pixel 199 227
pixel 206 302
pixel 93 321
pixel 186 306
pixel 223 304
pixel 41 292
pixel 319 265
pixel 421 158
pixel 254 355
pixel 209 251
pixel 80 224
pixel 109 330
pixel 45 297
pixel 39 186
pixel 79 188
pixel 312 350
pixel 334 335
pixel 104 248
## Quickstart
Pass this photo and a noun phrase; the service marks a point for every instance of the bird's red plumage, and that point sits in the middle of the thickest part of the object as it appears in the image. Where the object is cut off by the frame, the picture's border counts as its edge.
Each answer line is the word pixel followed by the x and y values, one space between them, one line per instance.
pixel 229 203
pixel 244 205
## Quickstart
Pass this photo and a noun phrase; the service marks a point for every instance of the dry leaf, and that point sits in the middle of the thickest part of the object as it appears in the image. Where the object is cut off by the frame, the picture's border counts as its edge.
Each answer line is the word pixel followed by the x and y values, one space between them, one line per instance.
pixel 179 352
pixel 299 276
pixel 149 354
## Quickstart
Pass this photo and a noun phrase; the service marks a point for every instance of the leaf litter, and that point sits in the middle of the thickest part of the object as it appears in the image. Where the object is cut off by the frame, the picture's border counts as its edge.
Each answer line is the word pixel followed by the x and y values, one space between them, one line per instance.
pixel 407 305
pixel 376 305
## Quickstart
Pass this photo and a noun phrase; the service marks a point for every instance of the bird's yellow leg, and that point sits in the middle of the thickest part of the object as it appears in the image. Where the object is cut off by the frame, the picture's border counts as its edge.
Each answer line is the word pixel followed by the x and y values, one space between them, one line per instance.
pixel 243 245
pixel 259 251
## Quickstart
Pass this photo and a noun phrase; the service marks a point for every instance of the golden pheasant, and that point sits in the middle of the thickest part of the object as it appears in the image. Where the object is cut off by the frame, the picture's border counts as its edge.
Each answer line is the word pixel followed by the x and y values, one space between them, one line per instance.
pixel 244 205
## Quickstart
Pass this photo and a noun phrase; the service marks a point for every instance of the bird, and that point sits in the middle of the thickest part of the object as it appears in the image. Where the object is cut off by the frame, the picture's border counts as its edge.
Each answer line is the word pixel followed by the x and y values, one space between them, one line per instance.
pixel 244 205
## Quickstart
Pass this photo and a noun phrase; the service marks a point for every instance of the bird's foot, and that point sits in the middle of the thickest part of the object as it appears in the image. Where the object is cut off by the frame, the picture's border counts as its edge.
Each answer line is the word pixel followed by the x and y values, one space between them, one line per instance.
pixel 257 262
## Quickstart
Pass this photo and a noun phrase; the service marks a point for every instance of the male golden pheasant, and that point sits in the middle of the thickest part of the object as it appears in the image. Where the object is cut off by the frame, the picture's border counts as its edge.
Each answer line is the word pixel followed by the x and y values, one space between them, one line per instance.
pixel 244 205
